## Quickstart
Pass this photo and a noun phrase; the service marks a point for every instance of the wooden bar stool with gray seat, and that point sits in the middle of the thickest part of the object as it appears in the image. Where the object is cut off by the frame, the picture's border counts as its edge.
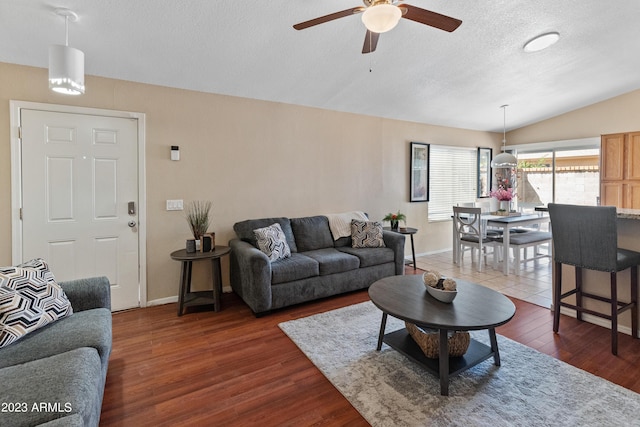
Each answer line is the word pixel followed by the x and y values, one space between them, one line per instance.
pixel 587 237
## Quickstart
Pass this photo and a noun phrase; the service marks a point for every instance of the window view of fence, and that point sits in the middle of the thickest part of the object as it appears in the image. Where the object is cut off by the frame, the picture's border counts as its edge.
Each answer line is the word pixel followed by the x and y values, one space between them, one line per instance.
pixel 573 177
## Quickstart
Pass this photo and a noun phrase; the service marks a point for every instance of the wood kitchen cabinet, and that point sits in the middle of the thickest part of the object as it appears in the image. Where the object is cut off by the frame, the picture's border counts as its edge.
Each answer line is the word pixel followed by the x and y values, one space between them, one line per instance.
pixel 620 170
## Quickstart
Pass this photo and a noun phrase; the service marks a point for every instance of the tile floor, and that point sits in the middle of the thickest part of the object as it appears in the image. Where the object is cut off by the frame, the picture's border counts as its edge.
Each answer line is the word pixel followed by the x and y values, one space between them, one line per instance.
pixel 532 285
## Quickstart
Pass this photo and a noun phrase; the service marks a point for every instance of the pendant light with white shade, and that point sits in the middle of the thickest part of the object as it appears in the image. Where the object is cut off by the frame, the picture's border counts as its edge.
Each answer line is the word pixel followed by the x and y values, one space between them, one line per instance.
pixel 66 64
pixel 504 159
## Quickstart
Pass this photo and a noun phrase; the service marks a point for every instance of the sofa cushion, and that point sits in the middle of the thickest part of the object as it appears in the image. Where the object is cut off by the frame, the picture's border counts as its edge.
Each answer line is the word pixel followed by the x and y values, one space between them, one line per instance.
pixel 30 298
pixel 89 328
pixel 68 383
pixel 333 261
pixel 272 242
pixel 343 241
pixel 73 420
pixel 312 233
pixel 370 256
pixel 244 230
pixel 296 267
pixel 366 234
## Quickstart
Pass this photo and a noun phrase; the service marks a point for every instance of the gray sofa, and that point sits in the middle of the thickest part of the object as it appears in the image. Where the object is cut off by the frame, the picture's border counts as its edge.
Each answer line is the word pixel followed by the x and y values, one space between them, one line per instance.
pixel 55 376
pixel 319 266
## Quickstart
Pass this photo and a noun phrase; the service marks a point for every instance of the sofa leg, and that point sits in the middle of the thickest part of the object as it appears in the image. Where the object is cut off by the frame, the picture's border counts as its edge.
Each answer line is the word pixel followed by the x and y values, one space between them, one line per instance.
pixel 261 314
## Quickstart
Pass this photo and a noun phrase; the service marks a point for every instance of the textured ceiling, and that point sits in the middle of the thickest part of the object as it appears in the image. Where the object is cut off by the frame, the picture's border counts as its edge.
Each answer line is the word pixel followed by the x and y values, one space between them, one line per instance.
pixel 249 49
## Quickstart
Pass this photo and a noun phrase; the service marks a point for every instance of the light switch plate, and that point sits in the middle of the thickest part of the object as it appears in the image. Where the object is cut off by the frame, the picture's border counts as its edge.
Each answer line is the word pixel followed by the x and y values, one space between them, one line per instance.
pixel 175 205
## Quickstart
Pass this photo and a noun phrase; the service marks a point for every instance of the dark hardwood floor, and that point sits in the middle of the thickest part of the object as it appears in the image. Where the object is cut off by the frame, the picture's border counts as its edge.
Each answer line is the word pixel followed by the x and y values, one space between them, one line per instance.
pixel 232 369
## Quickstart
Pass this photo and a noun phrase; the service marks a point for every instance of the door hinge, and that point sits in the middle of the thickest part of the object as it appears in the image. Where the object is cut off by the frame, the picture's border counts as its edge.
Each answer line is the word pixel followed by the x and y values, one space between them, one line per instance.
pixel 20 214
pixel 20 133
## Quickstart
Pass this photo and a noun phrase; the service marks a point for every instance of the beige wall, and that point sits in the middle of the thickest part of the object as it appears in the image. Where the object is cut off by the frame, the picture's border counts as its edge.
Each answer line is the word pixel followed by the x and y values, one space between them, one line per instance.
pixel 250 158
pixel 619 114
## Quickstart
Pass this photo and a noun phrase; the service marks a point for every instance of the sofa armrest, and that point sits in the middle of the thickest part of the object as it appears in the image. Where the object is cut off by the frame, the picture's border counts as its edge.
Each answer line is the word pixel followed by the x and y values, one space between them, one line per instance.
pixel 395 241
pixel 250 275
pixel 85 294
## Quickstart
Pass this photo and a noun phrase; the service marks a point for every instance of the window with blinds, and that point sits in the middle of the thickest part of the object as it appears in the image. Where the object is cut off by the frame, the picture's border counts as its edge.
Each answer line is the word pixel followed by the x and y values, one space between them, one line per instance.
pixel 452 179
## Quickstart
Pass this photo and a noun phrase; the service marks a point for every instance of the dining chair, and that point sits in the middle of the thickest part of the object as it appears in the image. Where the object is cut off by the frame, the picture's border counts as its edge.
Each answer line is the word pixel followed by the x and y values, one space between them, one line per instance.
pixel 520 241
pixel 471 232
pixel 587 238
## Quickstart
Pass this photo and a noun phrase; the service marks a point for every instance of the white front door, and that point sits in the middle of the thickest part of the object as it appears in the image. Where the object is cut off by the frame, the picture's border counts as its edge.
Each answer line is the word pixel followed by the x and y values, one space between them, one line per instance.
pixel 80 198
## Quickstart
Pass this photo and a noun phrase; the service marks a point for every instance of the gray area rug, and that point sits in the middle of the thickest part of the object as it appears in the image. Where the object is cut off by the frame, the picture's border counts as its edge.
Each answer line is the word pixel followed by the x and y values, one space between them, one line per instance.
pixel 529 389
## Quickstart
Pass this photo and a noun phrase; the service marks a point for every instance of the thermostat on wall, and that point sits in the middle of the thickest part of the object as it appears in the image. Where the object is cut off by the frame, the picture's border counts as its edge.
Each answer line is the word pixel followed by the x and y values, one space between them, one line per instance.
pixel 175 152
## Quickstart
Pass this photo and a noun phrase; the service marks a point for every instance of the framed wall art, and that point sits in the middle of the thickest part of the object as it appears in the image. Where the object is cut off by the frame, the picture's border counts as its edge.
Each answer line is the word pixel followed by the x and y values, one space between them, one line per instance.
pixel 419 179
pixel 484 172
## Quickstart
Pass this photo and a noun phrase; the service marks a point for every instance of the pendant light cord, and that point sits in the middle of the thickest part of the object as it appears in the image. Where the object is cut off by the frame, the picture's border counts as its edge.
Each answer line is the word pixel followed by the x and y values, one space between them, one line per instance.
pixel 66 30
pixel 504 126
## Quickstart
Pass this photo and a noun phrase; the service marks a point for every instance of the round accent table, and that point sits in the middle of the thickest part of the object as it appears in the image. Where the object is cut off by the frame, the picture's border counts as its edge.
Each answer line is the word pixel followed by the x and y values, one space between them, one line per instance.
pixel 186 298
pixel 475 308
pixel 410 231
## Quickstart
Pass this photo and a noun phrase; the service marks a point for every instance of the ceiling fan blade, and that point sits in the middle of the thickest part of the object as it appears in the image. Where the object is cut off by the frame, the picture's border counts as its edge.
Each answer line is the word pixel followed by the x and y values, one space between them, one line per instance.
pixel 370 42
pixel 430 18
pixel 327 18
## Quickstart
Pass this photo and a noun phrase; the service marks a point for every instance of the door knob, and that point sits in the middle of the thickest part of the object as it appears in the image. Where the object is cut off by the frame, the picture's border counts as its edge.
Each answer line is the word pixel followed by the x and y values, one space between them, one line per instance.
pixel 131 224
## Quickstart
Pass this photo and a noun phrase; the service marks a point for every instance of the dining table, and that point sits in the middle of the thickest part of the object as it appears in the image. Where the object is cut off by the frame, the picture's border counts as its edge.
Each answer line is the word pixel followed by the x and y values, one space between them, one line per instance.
pixel 506 223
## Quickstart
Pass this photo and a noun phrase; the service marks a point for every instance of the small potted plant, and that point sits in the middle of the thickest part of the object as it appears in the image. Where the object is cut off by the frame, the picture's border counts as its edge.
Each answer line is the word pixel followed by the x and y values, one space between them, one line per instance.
pixel 394 219
pixel 197 214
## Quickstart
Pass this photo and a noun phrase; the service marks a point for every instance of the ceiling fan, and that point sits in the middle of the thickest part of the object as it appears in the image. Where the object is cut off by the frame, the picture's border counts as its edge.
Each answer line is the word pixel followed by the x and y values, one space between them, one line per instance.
pixel 380 16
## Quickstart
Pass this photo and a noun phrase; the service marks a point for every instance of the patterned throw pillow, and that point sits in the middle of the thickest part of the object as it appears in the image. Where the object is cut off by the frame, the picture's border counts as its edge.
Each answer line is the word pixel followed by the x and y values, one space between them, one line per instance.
pixel 366 234
pixel 272 241
pixel 29 299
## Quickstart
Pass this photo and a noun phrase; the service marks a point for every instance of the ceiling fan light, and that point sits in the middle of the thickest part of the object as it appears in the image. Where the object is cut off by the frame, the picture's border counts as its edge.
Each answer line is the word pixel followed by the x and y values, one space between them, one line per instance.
pixel 381 18
pixel 66 70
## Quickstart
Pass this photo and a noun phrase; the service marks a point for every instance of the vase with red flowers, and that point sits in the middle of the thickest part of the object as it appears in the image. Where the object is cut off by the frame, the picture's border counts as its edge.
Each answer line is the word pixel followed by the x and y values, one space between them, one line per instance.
pixel 394 219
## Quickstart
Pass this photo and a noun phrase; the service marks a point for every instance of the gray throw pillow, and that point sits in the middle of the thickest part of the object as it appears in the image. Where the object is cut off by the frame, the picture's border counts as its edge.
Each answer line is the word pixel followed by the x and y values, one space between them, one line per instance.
pixel 272 241
pixel 366 234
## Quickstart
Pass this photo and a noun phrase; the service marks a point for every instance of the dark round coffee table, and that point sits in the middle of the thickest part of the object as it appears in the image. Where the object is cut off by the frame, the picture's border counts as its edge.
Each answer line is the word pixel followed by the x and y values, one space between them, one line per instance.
pixel 475 307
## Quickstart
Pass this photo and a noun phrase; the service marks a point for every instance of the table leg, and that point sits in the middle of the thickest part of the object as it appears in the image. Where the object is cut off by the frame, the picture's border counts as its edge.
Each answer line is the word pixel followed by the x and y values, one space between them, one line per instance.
pixel 383 325
pixel 494 346
pixel 413 252
pixel 183 281
pixel 455 242
pixel 216 274
pixel 185 284
pixel 444 363
pixel 506 236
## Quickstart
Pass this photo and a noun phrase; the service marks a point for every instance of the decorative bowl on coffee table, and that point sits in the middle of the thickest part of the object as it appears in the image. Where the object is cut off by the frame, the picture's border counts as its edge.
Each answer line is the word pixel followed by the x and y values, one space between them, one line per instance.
pixel 441 294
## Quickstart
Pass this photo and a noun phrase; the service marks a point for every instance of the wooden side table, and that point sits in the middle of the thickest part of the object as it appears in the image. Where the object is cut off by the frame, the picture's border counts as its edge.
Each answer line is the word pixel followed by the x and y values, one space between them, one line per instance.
pixel 407 231
pixel 186 298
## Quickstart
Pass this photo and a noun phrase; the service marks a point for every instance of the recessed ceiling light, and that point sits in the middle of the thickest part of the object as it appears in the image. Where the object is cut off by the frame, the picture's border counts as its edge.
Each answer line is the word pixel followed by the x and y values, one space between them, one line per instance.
pixel 540 42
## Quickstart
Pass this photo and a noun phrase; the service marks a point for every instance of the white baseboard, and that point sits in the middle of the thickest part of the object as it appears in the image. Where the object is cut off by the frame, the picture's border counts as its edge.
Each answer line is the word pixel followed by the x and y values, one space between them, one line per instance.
pixel 432 252
pixel 169 300
pixel 593 319
pixel 162 301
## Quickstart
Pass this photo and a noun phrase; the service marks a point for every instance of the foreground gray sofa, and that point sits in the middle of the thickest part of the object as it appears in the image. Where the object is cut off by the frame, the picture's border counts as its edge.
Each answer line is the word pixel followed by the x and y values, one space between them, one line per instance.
pixel 319 266
pixel 55 376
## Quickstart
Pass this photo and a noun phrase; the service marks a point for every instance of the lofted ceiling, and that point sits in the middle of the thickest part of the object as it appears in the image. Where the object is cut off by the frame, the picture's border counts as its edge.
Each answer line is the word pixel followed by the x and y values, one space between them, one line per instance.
pixel 418 73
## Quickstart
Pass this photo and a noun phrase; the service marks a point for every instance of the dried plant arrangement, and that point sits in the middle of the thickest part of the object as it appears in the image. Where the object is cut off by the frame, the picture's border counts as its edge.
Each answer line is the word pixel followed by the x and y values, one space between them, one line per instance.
pixel 197 214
